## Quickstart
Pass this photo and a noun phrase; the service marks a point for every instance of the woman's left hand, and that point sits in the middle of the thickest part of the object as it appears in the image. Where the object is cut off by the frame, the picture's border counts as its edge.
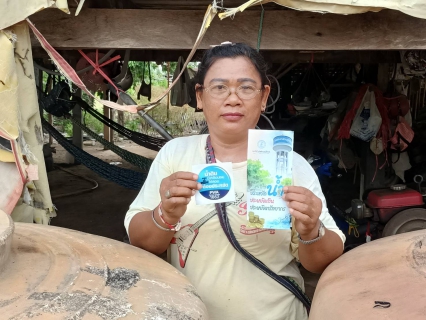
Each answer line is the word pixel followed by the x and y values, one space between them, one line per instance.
pixel 306 208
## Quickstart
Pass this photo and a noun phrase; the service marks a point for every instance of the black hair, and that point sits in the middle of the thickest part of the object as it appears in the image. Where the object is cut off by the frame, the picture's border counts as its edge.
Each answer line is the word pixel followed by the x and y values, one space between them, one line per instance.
pixel 232 50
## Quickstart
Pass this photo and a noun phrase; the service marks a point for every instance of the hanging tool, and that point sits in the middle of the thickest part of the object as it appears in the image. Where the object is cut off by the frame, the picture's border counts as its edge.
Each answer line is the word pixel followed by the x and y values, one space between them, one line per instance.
pixel 419 179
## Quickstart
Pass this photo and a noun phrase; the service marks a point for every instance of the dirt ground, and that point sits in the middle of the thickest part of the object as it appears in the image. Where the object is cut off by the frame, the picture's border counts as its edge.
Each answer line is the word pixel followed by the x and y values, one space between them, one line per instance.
pixel 101 211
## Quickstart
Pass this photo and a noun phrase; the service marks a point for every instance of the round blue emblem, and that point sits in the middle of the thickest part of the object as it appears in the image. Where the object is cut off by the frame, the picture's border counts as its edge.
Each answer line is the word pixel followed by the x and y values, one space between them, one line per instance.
pixel 216 182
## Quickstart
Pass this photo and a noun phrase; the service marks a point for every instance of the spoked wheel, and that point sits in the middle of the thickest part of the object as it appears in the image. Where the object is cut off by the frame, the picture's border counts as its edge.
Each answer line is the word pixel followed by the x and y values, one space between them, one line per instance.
pixel 406 221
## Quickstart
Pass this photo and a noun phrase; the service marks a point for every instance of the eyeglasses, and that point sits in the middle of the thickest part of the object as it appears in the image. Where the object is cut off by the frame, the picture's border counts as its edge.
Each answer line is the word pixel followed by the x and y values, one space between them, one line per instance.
pixel 221 91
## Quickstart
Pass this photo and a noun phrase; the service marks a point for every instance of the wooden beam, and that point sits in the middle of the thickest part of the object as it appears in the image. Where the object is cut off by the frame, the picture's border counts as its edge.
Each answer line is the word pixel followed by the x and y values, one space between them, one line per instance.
pixel 169 4
pixel 362 56
pixel 282 30
pixel 365 57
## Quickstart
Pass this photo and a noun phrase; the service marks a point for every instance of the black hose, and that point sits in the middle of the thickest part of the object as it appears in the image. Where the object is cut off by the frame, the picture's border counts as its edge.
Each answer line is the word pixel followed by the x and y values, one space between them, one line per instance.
pixel 278 94
pixel 95 185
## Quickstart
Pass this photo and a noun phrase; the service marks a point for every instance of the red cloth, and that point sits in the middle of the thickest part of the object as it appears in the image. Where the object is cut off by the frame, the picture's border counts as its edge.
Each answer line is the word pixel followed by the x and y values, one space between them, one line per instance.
pixel 397 106
pixel 403 132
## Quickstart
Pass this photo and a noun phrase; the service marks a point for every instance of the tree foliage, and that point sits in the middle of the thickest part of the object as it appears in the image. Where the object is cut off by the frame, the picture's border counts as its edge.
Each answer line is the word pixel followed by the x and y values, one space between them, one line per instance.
pixel 140 70
pixel 256 175
pixel 158 72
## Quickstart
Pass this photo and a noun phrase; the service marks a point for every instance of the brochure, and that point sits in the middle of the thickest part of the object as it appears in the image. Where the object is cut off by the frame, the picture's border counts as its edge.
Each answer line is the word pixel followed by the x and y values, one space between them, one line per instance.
pixel 269 170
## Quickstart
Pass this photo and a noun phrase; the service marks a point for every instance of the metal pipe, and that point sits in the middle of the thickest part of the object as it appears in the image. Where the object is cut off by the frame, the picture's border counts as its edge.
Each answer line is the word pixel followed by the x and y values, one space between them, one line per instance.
pixel 157 127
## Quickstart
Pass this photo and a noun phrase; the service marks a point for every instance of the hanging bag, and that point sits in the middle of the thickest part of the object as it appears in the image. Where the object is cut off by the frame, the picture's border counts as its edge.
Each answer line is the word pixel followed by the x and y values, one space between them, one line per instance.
pixel 397 106
pixel 403 135
pixel 145 89
pixel 367 120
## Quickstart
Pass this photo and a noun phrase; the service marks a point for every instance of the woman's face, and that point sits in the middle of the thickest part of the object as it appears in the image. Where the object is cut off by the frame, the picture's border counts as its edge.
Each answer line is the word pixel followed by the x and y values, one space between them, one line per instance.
pixel 231 114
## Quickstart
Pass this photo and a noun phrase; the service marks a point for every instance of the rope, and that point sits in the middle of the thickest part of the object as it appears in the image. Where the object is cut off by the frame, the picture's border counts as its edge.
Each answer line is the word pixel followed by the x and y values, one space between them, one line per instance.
pixel 127 178
pixel 259 36
pixel 131 157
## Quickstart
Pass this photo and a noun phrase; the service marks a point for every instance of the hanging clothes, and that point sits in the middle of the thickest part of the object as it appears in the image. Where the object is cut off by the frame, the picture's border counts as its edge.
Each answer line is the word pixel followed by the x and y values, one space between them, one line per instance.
pixel 145 88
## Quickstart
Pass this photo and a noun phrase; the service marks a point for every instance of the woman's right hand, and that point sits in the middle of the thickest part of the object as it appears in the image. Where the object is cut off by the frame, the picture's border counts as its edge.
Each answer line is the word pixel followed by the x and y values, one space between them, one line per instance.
pixel 176 191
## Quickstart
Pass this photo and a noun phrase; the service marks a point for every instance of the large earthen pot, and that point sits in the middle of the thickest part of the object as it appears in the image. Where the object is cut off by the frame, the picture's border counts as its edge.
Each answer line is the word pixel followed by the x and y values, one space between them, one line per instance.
pixel 384 279
pixel 54 273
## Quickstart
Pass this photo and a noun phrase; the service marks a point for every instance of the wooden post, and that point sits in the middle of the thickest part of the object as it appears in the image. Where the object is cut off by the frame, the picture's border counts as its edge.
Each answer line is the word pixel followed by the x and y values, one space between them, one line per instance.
pixel 107 131
pixel 168 85
pixel 77 133
pixel 120 117
pixel 108 134
pixel 50 117
pixel 112 116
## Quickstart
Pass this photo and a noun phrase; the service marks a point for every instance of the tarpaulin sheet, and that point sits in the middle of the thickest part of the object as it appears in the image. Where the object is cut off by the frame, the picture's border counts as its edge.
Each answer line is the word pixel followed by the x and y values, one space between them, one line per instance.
pixel 14 11
pixel 415 8
pixel 20 124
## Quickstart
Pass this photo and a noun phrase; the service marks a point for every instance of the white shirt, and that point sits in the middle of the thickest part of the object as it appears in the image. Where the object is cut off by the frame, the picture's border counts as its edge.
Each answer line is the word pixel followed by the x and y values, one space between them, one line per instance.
pixel 228 284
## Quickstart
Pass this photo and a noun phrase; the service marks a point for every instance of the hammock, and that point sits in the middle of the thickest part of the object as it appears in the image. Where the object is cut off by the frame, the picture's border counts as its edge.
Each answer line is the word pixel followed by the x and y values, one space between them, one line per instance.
pixel 124 177
pixel 58 103
pixel 141 139
pixel 133 158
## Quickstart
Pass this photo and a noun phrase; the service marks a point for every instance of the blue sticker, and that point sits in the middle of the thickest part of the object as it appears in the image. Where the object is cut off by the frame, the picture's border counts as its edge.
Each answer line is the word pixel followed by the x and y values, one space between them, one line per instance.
pixel 216 182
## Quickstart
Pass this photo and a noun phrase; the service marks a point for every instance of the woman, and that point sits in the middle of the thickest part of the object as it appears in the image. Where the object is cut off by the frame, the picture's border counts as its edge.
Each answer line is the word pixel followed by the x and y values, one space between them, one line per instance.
pixel 232 90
